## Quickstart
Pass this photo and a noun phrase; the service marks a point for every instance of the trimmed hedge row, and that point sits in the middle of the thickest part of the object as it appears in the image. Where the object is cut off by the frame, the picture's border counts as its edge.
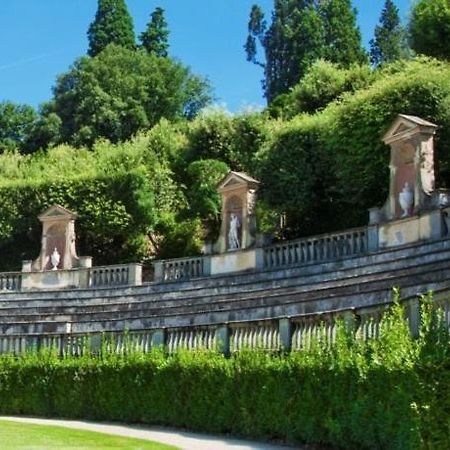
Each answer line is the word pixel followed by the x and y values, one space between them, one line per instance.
pixel 390 393
pixel 114 215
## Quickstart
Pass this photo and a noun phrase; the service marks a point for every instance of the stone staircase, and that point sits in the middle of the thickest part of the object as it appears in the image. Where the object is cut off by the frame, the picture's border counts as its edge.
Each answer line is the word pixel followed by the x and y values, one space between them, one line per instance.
pixel 360 282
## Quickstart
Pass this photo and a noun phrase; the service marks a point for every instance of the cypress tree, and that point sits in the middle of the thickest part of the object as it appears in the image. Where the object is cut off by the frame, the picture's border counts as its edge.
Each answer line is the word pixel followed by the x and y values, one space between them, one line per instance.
pixel 389 42
pixel 112 25
pixel 155 38
pixel 292 41
pixel 342 36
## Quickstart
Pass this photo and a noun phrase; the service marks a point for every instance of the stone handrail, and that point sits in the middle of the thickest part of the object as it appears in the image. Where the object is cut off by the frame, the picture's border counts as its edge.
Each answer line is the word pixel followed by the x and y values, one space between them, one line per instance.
pixel 325 247
pixel 10 281
pixel 289 333
pixel 181 269
pixel 120 275
pixel 84 277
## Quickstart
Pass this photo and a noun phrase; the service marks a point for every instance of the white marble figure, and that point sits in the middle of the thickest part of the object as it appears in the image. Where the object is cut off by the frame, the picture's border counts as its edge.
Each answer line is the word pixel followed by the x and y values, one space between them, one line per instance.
pixel 406 199
pixel 55 258
pixel 233 234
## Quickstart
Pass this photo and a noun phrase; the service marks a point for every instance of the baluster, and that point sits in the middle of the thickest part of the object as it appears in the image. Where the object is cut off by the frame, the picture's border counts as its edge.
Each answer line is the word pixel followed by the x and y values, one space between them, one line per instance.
pixel 307 245
pixel 169 342
pixel 263 337
pixel 295 336
pixel 359 243
pixel 339 247
pixel 363 239
pixel 328 248
pixel 236 338
pixel 254 337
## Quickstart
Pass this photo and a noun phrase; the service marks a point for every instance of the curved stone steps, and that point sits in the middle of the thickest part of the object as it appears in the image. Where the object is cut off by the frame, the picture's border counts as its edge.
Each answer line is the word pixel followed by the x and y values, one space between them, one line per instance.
pixel 231 285
pixel 142 304
pixel 273 305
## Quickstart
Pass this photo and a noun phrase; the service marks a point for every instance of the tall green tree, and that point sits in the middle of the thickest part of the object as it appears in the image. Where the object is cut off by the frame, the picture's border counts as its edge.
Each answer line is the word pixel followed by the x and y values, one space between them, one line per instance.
pixel 430 28
pixel 290 43
pixel 389 43
pixel 342 36
pixel 16 123
pixel 121 91
pixel 299 33
pixel 112 25
pixel 155 39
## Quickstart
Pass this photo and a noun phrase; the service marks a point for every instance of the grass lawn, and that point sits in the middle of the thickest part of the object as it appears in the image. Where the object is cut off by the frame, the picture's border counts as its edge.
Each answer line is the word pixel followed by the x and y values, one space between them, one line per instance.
pixel 23 436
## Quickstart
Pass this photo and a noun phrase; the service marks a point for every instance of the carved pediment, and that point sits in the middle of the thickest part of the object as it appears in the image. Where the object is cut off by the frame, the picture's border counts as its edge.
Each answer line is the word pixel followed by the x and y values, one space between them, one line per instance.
pixel 57 212
pixel 234 180
pixel 405 126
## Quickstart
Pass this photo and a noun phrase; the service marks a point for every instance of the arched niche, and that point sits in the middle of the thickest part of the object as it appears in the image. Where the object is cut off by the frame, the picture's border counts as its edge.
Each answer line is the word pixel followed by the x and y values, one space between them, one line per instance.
pixel 238 191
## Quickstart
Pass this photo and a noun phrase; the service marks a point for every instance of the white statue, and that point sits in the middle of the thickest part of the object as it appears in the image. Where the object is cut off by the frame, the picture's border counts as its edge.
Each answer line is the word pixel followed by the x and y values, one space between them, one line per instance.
pixel 406 199
pixel 55 258
pixel 233 234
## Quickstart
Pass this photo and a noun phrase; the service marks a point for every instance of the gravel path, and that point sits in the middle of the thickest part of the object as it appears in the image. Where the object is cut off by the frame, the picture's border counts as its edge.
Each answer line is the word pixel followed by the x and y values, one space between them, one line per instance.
pixel 182 439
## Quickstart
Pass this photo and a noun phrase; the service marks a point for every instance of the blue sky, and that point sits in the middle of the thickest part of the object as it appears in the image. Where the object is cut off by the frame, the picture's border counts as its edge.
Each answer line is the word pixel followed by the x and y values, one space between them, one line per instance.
pixel 41 38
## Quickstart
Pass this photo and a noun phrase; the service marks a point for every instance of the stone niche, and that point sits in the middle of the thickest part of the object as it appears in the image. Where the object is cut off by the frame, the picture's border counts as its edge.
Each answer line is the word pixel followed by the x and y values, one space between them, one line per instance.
pixel 412 211
pixel 238 191
pixel 412 175
pixel 58 251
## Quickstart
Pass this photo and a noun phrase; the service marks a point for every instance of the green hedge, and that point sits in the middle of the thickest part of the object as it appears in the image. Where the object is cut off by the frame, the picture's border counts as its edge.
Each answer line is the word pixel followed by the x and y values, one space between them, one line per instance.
pixel 114 215
pixel 389 393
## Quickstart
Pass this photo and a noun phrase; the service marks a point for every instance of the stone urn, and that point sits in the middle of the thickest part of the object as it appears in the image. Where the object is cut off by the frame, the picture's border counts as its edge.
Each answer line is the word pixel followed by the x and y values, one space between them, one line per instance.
pixel 406 199
pixel 55 259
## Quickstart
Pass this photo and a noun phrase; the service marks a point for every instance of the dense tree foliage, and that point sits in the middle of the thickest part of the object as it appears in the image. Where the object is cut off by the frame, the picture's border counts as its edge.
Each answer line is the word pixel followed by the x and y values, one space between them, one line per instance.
pixel 155 39
pixel 319 171
pixel 112 25
pixel 16 123
pixel 316 149
pixel 342 36
pixel 121 91
pixel 322 83
pixel 430 28
pixel 389 43
pixel 300 33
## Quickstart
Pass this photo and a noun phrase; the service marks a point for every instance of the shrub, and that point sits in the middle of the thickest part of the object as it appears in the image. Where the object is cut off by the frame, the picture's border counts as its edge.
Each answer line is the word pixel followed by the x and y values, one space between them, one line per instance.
pixel 389 393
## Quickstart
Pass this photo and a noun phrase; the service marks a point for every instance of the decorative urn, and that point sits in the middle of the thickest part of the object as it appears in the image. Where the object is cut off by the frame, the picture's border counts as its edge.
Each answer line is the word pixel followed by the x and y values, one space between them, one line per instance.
pixel 55 258
pixel 406 199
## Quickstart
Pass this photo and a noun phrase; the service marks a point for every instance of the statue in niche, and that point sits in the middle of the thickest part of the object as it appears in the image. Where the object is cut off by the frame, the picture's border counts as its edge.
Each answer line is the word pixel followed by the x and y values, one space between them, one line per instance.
pixel 233 233
pixel 55 259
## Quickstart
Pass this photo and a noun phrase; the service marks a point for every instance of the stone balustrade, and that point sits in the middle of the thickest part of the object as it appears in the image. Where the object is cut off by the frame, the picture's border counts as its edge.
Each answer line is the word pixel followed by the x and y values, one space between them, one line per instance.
pixel 10 281
pixel 263 335
pixel 190 339
pixel 87 277
pixel 294 333
pixel 181 269
pixel 120 275
pixel 326 247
